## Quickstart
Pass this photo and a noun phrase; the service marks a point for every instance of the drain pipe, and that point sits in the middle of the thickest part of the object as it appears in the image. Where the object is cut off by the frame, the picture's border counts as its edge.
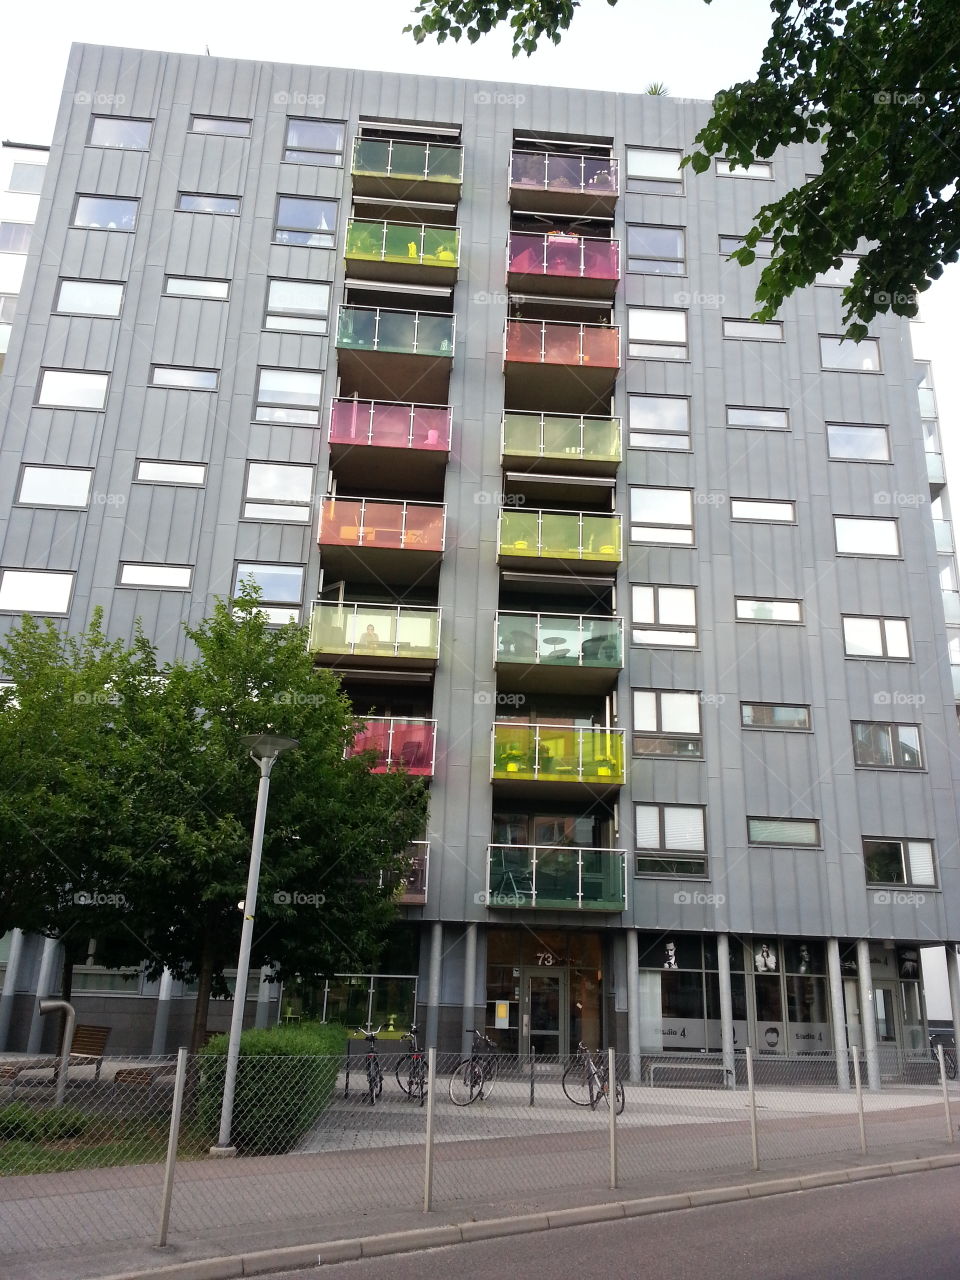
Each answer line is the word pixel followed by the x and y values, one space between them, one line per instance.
pixel 62 1006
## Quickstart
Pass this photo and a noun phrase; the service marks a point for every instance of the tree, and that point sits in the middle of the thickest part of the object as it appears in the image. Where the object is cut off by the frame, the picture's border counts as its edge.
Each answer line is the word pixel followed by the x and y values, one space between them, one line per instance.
pixel 875 81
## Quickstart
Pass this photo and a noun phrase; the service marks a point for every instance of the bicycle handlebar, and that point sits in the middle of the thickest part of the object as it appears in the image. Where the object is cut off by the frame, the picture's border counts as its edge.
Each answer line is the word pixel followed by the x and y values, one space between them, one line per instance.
pixel 368 1033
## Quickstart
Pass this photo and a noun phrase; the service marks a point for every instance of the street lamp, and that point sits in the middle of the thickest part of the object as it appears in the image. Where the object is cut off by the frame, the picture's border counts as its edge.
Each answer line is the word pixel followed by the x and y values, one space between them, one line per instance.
pixel 265 750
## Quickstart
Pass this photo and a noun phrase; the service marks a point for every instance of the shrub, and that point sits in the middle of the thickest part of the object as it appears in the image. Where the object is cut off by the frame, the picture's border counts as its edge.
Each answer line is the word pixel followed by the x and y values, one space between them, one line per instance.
pixel 18 1121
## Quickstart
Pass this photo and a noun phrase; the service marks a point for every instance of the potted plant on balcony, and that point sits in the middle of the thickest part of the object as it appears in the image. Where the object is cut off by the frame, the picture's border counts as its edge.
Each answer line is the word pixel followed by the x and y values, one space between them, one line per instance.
pixel 512 759
pixel 606 767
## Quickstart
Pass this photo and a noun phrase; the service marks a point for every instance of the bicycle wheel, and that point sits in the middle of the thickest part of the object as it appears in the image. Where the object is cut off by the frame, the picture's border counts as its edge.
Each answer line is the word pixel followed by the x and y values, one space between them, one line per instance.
pixel 374 1080
pixel 419 1081
pixel 405 1073
pixel 576 1083
pixel 466 1083
pixel 490 1071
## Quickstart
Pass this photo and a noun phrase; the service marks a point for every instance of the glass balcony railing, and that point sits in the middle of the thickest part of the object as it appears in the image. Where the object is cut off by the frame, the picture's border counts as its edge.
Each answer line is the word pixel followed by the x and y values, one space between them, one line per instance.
pixel 377 522
pixel 399 744
pixel 386 425
pixel 943 531
pixel 935 471
pixel 579 257
pixel 562 342
pixel 560 535
pixel 557 753
pixel 375 630
pixel 413 161
pixel 556 878
pixel 564 172
pixel 421 333
pixel 955 676
pixel 563 436
pixel 411 889
pixel 951 606
pixel 403 242
pixel 559 639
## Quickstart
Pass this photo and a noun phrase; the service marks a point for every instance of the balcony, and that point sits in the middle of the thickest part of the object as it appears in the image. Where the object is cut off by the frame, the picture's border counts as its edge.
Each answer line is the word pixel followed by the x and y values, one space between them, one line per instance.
pixel 388 637
pixel 556 878
pixel 391 445
pixel 409 352
pixel 547 652
pixel 943 532
pixel 571 365
pixel 399 744
pixel 955 677
pixel 569 265
pixel 407 170
pixel 951 607
pixel 532 756
pixel 376 540
pixel 403 251
pixel 936 475
pixel 590 446
pixel 411 890
pixel 580 540
pixel 564 182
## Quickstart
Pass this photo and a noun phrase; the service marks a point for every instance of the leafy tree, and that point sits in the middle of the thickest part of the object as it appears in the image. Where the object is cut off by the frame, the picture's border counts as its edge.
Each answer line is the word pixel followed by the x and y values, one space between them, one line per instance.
pixel 877 82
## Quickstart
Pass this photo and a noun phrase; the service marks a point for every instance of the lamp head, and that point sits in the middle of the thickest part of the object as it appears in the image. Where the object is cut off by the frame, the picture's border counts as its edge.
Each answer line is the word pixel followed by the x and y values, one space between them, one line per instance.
pixel 268 746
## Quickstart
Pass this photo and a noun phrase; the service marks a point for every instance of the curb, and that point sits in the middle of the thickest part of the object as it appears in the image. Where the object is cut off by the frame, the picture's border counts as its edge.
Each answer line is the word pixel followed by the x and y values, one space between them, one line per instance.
pixel 311 1255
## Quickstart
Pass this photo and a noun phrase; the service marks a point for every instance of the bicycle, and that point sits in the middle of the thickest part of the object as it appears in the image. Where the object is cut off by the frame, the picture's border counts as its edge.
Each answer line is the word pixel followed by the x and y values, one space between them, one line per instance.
pixel 412 1069
pixel 949 1054
pixel 374 1070
pixel 475 1076
pixel 586 1081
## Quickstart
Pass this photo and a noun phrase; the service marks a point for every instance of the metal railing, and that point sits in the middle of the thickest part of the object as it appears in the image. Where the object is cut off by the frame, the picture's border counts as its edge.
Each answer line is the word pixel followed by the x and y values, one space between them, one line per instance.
pixel 402 242
pixel 556 877
pixel 565 172
pixel 385 329
pixel 375 630
pixel 390 424
pixel 556 753
pixel 396 158
pixel 565 436
pixel 562 342
pixel 557 254
pixel 565 535
pixel 400 743
pixel 562 639
pixel 383 524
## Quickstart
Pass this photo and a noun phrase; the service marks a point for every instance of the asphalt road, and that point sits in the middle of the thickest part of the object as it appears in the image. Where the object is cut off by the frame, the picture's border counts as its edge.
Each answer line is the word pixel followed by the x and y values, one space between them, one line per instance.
pixel 901 1228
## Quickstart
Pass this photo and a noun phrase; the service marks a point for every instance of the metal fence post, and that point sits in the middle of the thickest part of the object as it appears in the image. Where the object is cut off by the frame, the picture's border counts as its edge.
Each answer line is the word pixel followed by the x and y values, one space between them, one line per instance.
pixel 172 1142
pixel 533 1064
pixel 946 1095
pixel 612 1109
pixel 428 1154
pixel 855 1054
pixel 752 1094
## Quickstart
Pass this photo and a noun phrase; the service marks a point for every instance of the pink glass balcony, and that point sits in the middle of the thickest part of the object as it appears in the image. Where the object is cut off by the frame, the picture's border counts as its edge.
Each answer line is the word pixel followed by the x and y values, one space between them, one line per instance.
pixel 381 524
pixel 386 425
pixel 552 342
pixel 581 262
pixel 399 744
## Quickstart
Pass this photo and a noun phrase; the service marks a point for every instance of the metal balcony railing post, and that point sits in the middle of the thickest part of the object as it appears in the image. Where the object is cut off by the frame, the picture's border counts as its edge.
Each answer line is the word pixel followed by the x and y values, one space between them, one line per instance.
pixel 376 328
pixel 416 331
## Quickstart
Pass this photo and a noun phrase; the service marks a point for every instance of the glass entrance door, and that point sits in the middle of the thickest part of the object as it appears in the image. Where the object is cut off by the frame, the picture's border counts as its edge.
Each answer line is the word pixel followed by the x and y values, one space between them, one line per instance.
pixel 888 1036
pixel 545 1025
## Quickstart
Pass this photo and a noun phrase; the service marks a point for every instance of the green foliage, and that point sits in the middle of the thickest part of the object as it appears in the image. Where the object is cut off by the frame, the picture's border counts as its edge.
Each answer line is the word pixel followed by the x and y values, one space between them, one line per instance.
pixel 297 1038
pixel 20 1122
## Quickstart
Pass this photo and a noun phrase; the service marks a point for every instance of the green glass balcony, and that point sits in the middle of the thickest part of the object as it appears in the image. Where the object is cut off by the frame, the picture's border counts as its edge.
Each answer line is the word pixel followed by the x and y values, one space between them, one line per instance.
pixel 402 251
pixel 556 878
pixel 589 446
pixel 554 753
pixel 548 651
pixel 375 635
pixel 407 170
pixel 577 537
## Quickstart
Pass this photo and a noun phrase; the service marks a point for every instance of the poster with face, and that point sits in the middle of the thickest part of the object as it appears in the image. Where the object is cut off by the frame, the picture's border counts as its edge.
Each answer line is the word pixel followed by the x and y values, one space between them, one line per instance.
pixel 766 958
pixel 670 951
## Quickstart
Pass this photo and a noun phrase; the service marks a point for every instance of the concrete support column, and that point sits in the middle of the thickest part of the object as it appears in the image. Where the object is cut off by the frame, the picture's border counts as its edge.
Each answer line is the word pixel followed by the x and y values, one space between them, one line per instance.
pixel 265 993
pixel 162 1021
pixel 469 987
pixel 726 1010
pixel 633 1003
pixel 433 985
pixel 48 961
pixel 10 979
pixel 838 1021
pixel 868 1016
pixel 953 977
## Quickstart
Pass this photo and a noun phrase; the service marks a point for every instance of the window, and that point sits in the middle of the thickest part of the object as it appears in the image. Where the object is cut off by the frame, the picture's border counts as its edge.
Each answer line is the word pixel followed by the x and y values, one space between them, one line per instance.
pixel 89 298
pixel 301 220
pixel 193 473
pixel 196 287
pixel 886 746
pixel 220 125
pixel 656 335
pixel 278 491
pixel 875 637
pixel 116 131
pixel 666 724
pixel 55 486
pixel 281 587
pixel 8 307
pixel 773 715
pixel 15 237
pixel 166 375
pixel 850 442
pixel 314 142
pixel 297 306
pixel 659 422
pixel 762 509
pixel 665 616
pixel 757 169
pixel 27 178
pixel 762 249
pixel 670 839
pixel 655 250
pixel 761 330
pixel 662 515
pixel 861 536
pixel 34 591
pixel 289 395
pixel 791 831
pixel 768 610
pixel 654 170
pixel 758 419
pixel 192 202
pixel 176 576
pixel 854 357
pixel 66 389
pixel 839 276
pixel 899 862
pixel 105 213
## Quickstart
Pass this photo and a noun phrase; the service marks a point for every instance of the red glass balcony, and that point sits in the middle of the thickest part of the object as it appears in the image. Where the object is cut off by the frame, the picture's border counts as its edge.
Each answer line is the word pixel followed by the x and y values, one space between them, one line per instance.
pixel 390 445
pixel 563 263
pixel 371 539
pixel 399 744
pixel 551 364
pixel 564 182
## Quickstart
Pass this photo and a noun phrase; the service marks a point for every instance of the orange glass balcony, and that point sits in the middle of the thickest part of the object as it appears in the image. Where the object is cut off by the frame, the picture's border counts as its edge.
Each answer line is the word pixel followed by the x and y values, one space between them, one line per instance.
pixel 397 445
pixel 564 182
pixel 550 364
pixel 373 539
pixel 560 263
pixel 399 744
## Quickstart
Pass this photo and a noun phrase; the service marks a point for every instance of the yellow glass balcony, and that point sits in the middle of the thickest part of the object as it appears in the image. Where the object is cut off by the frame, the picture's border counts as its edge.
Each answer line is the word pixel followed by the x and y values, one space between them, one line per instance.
pixel 402 251
pixel 554 753
pixel 577 536
pixel 585 444
pixel 375 634
pixel 556 878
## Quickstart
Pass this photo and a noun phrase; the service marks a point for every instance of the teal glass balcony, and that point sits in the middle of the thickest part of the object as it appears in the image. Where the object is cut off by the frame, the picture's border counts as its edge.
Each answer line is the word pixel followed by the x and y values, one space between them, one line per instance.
pixel 578 538
pixel 563 263
pixel 393 637
pixel 411 889
pixel 564 182
pixel 402 251
pixel 556 878
pixel 590 446
pixel 407 170
pixel 409 352
pixel 554 754
pixel 557 651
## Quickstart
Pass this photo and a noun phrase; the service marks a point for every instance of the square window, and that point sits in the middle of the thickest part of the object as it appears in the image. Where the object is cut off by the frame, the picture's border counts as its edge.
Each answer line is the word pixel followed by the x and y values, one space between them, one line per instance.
pixel 670 839
pixel 184 473
pixel 757 169
pixel 770 715
pixel 15 237
pixel 758 419
pixel 72 389
pixel 786 831
pixel 89 298
pixel 166 375
pixel 899 862
pixel 854 442
pixel 655 250
pixel 850 357
pixel 175 576
pixel 105 213
pixel 760 330
pixel 764 510
pixel 667 723
pixel 297 306
pixel 860 536
pixel 289 395
pixel 665 616
pixel 193 202
pixel 654 170
pixel 27 178
pixel 220 125
pixel 281 587
pixel 655 334
pixel 196 287
pixel 314 142
pixel 661 515
pixel 34 591
pixel 278 491
pixel 55 486
pixel 768 610
pixel 875 637
pixel 117 131
pixel 304 221
pixel 659 422
pixel 886 746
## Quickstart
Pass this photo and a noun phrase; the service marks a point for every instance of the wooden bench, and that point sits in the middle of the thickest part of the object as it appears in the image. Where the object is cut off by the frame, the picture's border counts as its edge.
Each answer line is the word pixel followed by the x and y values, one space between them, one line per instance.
pixel 713 1068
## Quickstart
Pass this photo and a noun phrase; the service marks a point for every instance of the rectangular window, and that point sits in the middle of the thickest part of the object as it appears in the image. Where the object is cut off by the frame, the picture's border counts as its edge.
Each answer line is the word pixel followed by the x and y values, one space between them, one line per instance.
pixel 886 746
pixel 55 487
pixel 757 169
pixel 655 250
pixel 289 395
pixel 659 422
pixel 314 142
pixel 789 831
pixel 196 287
pixel 116 131
pixel 305 221
pixel 768 610
pixel 670 839
pixel 761 330
pixel 764 510
pixel 654 334
pixel 854 442
pixel 758 419
pixel 654 170
pixel 281 587
pixel 666 724
pixel 152 472
pixel 762 249
pixel 168 375
pixel 661 515
pixel 70 389
pixel 278 491
pixel 34 591
pixel 863 536
pixel 193 202
pixel 220 125
pixel 297 306
pixel 773 715
pixel 89 298
pixel 27 178
pixel 105 213
pixel 176 576
pixel 899 862
pixel 875 637
pixel 851 357
pixel 15 237
pixel 665 616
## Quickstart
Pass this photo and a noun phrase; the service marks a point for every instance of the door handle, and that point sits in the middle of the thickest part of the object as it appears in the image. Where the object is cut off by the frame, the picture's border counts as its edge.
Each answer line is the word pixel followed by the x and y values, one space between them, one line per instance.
pixel 526 1025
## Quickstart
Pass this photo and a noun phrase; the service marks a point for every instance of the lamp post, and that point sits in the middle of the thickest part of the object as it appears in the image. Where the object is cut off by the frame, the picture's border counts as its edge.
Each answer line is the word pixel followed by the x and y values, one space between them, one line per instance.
pixel 265 750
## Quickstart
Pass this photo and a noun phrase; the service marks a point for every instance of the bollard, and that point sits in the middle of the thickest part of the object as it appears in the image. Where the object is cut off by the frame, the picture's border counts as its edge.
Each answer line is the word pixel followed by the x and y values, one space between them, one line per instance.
pixel 751 1090
pixel 176 1111
pixel 858 1085
pixel 428 1156
pixel 946 1096
pixel 612 1109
